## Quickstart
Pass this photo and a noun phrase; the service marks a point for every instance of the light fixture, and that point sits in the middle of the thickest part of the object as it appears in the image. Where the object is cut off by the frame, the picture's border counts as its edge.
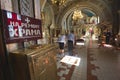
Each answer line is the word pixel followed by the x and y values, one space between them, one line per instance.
pixel 58 2
pixel 77 15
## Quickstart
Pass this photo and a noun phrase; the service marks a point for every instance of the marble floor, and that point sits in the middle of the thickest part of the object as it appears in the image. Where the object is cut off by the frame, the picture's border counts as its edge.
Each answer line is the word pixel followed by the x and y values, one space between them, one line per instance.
pixel 89 62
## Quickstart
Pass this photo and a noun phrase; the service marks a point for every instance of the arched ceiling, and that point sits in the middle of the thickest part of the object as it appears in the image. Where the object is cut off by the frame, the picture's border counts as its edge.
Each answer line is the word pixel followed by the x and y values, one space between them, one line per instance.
pixel 101 8
pixel 88 12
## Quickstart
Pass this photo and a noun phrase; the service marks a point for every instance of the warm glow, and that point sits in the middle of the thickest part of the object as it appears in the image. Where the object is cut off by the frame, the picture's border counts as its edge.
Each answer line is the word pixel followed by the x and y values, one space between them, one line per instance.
pixel 107 45
pixel 77 15
pixel 80 43
pixel 60 2
pixel 71 60
pixel 98 19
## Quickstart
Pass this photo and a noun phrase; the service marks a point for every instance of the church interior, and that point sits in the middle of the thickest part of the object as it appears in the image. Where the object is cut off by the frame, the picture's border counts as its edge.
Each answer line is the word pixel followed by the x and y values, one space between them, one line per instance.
pixel 29 32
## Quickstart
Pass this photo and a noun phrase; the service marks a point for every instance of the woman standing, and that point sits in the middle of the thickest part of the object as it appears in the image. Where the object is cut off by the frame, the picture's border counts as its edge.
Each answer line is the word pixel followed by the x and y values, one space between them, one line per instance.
pixel 62 41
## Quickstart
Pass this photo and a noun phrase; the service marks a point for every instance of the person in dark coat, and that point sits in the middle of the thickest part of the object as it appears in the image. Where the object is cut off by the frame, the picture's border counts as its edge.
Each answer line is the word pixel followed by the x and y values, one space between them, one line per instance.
pixel 71 41
pixel 108 36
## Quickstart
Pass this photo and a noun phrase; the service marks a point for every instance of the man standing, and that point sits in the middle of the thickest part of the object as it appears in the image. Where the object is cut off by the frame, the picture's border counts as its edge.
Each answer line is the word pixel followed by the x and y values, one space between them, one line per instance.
pixel 71 41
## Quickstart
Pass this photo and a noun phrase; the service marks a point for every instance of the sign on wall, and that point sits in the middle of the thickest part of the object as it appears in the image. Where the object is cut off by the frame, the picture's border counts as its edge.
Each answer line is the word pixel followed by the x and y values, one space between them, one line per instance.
pixel 19 28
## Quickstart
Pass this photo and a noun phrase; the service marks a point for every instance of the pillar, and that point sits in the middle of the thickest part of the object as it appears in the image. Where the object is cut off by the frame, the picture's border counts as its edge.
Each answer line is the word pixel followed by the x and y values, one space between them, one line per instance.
pixel 119 21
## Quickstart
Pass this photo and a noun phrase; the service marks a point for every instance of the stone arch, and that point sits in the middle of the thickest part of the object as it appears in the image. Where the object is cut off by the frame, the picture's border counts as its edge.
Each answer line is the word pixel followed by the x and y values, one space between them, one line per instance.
pixel 48 20
pixel 82 5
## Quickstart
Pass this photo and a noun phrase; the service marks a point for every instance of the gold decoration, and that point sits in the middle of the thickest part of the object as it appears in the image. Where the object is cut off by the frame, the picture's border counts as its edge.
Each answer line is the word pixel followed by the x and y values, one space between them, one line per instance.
pixel 58 2
pixel 77 15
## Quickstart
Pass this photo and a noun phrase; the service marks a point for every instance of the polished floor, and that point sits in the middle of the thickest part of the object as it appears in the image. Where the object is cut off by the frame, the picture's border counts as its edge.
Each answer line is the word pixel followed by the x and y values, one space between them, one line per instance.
pixel 93 63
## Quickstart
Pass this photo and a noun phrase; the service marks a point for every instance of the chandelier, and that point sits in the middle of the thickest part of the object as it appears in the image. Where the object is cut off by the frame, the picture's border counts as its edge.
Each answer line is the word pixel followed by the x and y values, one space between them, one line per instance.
pixel 58 2
pixel 77 15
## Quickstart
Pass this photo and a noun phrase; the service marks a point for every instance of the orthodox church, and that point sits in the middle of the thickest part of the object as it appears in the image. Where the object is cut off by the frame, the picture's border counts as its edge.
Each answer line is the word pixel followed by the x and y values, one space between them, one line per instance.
pixel 29 32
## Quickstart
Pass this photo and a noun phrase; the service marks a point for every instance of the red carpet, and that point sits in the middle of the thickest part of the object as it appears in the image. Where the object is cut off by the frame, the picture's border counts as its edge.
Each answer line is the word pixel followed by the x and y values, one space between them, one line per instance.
pixel 65 68
pixel 90 66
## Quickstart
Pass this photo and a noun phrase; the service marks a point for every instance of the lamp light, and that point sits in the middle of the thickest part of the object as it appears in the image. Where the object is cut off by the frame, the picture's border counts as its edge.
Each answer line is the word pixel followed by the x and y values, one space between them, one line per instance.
pixel 77 15
pixel 58 2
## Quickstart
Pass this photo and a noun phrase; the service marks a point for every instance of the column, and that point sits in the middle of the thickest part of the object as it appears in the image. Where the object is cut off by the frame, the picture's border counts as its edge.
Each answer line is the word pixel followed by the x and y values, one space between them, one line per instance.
pixel 5 73
pixel 37 9
pixel 119 21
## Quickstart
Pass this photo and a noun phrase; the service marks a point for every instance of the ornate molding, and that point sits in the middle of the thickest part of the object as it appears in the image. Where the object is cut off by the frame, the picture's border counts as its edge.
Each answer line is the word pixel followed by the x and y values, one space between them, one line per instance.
pixel 26 7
